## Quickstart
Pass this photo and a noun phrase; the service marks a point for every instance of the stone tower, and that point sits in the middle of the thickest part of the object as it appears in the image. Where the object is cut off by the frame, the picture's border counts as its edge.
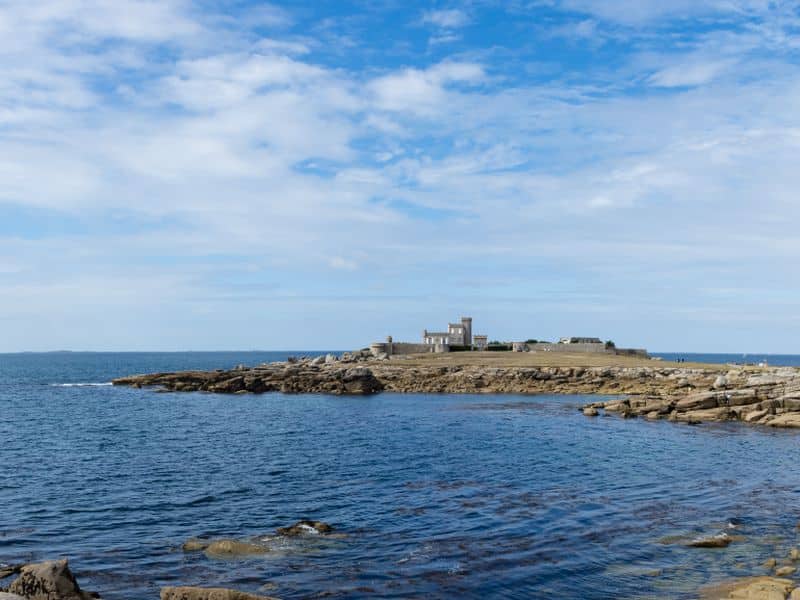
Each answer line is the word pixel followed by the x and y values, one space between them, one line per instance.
pixel 467 323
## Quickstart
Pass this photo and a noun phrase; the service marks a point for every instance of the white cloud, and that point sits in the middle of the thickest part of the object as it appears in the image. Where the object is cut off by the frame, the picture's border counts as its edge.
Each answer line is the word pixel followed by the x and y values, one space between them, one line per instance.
pixel 691 74
pixel 446 19
pixel 423 91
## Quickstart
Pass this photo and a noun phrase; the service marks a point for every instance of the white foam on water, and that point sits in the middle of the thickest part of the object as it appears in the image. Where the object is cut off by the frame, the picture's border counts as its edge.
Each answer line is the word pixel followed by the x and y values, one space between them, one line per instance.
pixel 308 529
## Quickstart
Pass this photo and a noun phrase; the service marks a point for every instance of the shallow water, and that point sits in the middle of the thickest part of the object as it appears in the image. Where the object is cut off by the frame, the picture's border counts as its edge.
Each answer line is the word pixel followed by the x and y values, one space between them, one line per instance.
pixel 437 495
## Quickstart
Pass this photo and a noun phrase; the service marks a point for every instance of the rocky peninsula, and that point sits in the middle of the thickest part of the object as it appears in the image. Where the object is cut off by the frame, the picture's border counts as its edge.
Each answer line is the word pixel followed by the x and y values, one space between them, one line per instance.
pixel 645 388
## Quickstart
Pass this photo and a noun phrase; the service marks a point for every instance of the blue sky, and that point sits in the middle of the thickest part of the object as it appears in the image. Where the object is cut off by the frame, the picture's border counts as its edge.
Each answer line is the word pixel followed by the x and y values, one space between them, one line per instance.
pixel 181 174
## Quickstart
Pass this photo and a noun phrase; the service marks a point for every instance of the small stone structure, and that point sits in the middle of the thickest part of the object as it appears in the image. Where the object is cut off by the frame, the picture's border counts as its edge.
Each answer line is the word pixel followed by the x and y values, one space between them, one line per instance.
pixel 480 342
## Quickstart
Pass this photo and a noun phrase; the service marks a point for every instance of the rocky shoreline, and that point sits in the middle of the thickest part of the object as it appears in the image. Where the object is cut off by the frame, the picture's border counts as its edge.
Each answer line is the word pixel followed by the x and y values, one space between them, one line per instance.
pixel 767 396
pixel 53 579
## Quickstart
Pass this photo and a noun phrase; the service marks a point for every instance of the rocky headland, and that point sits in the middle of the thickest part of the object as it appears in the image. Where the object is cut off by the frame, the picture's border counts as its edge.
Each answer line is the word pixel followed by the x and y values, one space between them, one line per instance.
pixel 648 389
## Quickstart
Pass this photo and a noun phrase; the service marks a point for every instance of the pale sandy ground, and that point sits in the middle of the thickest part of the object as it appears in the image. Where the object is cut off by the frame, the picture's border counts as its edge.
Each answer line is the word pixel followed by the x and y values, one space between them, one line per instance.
pixel 541 359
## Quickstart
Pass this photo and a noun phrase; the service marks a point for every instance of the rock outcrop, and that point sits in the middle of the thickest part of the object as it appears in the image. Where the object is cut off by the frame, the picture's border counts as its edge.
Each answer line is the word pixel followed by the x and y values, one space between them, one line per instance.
pixel 768 396
pixel 51 580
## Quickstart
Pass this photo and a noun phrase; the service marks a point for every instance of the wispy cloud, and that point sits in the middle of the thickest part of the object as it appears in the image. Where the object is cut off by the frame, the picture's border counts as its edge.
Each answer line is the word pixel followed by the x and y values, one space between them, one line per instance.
pixel 446 19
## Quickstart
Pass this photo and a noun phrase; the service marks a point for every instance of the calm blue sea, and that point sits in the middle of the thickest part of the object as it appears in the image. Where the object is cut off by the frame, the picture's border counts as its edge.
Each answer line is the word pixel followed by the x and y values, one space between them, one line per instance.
pixel 438 496
pixel 773 360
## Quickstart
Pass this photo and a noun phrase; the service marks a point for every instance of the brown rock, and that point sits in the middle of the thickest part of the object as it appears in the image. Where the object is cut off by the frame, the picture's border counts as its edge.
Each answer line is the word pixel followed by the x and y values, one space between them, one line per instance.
pixel 721 540
pixel 51 580
pixel 233 548
pixel 590 411
pixel 786 420
pixel 785 571
pixel 195 545
pixel 197 593
pixel 755 415
pixel 699 401
pixel 752 588
pixel 305 527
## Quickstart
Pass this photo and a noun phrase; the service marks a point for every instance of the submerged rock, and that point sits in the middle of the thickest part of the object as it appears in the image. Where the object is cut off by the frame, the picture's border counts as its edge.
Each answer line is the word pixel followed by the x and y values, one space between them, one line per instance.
pixel 195 545
pixel 233 548
pixel 198 593
pixel 51 580
pixel 721 540
pixel 305 527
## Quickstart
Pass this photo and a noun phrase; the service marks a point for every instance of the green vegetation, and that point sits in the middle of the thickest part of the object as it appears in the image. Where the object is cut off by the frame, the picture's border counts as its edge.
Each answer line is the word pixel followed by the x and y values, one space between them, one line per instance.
pixel 498 347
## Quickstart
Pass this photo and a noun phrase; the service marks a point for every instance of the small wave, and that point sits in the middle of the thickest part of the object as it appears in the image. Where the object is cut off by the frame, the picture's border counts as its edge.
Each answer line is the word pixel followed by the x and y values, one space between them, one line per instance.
pixel 80 384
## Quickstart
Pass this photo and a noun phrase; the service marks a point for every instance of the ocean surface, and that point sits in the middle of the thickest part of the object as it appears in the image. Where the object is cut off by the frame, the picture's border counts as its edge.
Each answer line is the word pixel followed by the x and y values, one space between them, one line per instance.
pixel 435 496
pixel 772 360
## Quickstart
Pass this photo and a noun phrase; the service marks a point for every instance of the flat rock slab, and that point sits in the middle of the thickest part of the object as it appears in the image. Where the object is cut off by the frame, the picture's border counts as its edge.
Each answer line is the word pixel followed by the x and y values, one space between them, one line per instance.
pixel 752 588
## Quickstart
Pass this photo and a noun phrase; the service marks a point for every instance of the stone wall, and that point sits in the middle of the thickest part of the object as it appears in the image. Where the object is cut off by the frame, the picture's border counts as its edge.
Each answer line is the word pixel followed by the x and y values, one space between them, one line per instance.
pixel 408 348
pixel 404 348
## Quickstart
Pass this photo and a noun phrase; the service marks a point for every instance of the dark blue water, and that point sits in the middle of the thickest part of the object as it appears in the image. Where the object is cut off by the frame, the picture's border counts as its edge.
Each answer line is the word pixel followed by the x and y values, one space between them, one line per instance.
pixel 773 360
pixel 436 495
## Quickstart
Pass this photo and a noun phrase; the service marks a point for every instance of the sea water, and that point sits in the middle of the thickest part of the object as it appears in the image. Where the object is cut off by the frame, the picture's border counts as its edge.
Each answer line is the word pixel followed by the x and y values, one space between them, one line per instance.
pixel 435 496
